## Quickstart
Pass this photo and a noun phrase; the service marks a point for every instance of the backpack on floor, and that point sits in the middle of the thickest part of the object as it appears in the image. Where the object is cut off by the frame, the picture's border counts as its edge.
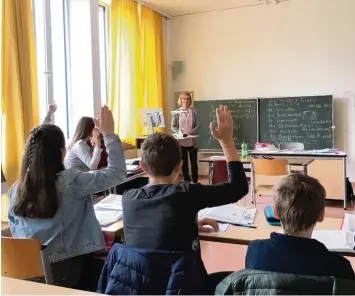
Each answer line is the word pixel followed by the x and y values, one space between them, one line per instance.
pixel 350 190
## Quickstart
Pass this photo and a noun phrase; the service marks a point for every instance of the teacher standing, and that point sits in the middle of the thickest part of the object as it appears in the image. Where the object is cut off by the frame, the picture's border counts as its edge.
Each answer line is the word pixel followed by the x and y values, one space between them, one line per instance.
pixel 188 123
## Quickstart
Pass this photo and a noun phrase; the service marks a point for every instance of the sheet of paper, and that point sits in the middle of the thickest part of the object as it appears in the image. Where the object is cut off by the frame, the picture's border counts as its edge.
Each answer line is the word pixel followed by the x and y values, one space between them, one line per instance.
pixel 334 240
pixel 222 227
pixel 131 167
pixel 230 214
pixel 349 222
pixel 107 217
pixel 109 203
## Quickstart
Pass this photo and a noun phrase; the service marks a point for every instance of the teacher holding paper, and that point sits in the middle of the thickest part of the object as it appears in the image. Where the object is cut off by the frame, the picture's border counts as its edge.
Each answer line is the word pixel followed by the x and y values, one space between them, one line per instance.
pixel 187 123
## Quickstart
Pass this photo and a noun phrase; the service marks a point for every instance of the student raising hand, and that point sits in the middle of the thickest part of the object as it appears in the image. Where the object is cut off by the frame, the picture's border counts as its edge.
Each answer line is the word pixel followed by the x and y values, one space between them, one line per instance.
pixel 224 130
pixel 224 133
pixel 51 110
pixel 105 122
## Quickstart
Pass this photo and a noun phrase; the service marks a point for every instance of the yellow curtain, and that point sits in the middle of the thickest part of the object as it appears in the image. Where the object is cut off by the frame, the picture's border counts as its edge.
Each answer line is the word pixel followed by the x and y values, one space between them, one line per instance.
pixel 125 68
pixel 19 99
pixel 136 74
pixel 153 76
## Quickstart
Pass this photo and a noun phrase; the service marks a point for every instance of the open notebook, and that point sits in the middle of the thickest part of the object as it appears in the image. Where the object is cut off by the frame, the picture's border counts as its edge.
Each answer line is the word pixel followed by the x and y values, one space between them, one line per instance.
pixel 109 210
pixel 230 214
pixel 339 240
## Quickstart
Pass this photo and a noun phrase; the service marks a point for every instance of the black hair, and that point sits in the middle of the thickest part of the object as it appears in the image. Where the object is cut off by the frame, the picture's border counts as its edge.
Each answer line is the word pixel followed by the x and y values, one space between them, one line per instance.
pixel 161 153
pixel 42 160
pixel 83 130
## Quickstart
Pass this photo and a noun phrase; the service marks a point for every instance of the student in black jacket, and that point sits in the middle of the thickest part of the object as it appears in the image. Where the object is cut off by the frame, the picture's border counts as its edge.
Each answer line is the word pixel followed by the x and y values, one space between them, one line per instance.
pixel 163 215
pixel 299 203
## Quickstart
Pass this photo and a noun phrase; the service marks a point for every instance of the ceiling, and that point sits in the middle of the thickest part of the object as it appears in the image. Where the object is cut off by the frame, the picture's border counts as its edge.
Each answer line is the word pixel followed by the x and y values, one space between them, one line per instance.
pixel 186 7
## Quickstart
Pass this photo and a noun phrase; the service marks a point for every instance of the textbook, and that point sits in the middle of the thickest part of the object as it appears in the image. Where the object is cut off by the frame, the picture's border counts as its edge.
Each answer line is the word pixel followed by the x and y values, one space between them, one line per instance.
pixel 109 209
pixel 343 240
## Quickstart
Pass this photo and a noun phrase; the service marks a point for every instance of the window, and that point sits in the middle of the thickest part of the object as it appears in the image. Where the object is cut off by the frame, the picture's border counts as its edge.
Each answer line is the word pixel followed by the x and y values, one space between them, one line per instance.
pixel 65 32
pixel 103 54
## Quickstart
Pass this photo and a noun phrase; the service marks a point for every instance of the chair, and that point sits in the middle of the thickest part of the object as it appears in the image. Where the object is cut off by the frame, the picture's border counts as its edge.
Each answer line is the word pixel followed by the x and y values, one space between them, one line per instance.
pixel 23 258
pixel 220 173
pixel 269 167
pixel 299 147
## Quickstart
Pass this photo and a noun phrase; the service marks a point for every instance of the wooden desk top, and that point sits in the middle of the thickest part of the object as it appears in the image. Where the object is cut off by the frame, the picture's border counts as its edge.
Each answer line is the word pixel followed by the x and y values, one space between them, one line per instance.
pixel 298 154
pixel 11 286
pixel 242 236
pixel 219 158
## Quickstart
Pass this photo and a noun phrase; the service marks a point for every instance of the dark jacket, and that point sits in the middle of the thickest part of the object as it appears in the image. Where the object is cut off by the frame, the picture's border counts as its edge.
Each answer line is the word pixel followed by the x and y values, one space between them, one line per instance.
pixel 255 282
pixel 296 255
pixel 129 271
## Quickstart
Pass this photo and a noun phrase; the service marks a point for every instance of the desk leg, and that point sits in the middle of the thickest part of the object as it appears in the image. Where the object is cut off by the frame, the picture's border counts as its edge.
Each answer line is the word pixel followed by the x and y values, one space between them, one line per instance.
pixel 252 183
pixel 345 190
pixel 210 172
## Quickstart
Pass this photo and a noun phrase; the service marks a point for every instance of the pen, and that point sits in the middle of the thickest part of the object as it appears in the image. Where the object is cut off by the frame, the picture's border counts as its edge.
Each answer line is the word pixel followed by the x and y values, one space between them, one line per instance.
pixel 242 225
pixel 239 224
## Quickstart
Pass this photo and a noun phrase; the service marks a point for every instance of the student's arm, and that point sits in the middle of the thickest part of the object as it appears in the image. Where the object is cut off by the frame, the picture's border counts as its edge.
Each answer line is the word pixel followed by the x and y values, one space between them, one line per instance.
pixel 86 183
pixel 51 110
pixel 175 123
pixel 237 186
pixel 197 122
pixel 82 151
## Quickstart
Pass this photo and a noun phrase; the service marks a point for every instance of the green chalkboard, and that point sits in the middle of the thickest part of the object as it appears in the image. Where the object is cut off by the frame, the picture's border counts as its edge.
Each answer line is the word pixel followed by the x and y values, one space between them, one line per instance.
pixel 308 120
pixel 244 112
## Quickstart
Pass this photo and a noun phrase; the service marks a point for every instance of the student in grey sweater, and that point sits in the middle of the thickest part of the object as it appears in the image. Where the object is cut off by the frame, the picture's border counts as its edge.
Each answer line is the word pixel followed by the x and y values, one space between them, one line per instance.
pixel 82 155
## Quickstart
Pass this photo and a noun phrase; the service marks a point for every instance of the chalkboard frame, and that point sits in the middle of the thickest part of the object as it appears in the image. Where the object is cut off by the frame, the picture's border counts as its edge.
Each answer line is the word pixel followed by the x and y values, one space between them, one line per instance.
pixel 308 96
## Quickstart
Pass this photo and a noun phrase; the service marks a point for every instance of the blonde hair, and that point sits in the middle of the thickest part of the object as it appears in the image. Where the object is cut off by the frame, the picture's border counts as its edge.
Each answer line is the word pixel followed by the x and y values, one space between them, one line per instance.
pixel 183 94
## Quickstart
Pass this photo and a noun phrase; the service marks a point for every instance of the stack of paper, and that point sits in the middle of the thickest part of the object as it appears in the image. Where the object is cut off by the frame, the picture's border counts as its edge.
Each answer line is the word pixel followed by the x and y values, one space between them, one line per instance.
pixel 230 214
pixel 339 240
pixel 109 210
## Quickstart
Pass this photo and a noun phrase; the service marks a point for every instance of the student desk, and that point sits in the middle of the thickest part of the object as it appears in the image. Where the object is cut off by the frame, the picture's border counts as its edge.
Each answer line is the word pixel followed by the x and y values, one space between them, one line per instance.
pixel 10 286
pixel 328 168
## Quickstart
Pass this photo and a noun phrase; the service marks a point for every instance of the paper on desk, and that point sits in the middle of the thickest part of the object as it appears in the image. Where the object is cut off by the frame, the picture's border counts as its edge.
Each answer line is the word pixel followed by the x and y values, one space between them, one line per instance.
pixel 222 227
pixel 230 214
pixel 112 202
pixel 107 217
pixel 132 167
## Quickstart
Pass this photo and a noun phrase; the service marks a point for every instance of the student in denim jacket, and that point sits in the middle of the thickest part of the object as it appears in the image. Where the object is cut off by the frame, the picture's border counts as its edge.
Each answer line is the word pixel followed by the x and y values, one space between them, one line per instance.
pixel 54 205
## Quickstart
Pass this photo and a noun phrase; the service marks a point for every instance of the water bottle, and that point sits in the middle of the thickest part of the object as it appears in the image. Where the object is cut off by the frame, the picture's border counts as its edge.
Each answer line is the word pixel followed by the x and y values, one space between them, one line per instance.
pixel 244 150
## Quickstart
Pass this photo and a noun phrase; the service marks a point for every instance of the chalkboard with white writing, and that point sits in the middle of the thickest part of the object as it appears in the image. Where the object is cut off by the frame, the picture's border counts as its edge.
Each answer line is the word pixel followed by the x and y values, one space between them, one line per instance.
pixel 308 120
pixel 245 120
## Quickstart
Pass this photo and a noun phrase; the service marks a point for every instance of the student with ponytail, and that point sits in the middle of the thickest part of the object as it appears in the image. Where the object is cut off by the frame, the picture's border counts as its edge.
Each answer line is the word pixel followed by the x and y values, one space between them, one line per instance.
pixel 54 205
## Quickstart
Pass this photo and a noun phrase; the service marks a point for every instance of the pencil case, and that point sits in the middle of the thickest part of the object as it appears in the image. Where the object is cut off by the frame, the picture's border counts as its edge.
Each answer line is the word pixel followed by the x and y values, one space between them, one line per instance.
pixel 269 216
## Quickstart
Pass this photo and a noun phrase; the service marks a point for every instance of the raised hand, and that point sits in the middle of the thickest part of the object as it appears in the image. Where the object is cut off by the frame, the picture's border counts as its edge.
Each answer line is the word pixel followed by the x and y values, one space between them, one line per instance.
pixel 96 138
pixel 105 122
pixel 224 130
pixel 51 109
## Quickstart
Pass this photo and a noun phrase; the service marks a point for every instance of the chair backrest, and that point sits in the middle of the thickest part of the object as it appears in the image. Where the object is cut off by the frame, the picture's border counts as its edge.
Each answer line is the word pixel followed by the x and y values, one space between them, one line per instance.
pixel 258 282
pixel 220 173
pixel 21 258
pixel 291 146
pixel 270 167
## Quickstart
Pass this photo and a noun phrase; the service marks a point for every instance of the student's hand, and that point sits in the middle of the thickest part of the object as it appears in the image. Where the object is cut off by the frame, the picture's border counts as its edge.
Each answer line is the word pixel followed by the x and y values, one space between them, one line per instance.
pixel 96 138
pixel 224 131
pixel 51 109
pixel 105 123
pixel 206 221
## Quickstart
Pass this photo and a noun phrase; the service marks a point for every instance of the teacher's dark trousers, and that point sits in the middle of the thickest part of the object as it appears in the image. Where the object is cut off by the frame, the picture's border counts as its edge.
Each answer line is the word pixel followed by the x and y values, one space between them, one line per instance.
pixel 192 153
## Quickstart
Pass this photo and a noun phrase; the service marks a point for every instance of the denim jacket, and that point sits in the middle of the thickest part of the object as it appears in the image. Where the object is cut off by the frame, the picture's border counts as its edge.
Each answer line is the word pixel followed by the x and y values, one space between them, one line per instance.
pixel 74 230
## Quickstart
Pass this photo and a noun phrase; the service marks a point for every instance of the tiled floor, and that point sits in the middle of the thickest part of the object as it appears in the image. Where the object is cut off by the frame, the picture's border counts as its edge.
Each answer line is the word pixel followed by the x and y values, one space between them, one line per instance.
pixel 230 257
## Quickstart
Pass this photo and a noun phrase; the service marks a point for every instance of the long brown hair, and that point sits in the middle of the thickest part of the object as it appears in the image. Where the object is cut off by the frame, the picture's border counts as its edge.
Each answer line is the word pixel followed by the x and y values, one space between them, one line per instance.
pixel 83 130
pixel 42 160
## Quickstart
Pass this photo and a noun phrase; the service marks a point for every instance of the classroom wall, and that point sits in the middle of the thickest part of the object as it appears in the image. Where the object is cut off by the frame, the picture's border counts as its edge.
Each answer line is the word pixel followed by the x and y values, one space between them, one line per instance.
pixel 298 47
